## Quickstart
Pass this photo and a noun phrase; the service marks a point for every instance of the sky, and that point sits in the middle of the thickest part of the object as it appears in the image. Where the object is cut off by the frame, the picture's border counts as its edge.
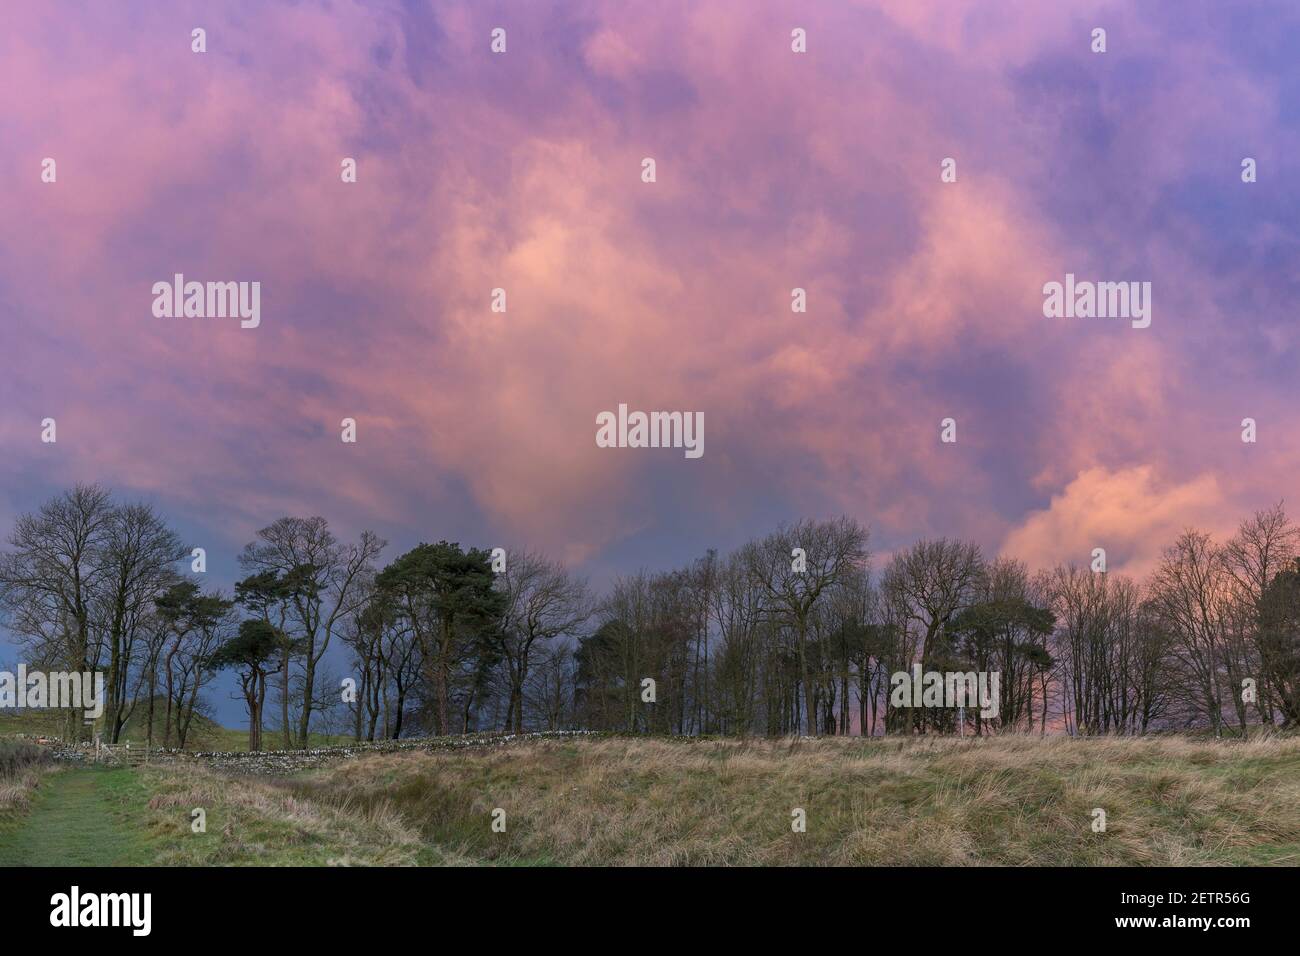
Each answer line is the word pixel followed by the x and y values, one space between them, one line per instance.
pixel 774 170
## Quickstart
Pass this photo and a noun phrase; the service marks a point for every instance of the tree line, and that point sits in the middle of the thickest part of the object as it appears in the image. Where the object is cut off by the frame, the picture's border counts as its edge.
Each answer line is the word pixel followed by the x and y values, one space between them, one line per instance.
pixel 789 633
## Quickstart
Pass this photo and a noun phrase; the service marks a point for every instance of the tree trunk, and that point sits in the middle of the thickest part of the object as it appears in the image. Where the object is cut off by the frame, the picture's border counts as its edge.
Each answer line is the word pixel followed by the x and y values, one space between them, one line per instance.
pixel 284 697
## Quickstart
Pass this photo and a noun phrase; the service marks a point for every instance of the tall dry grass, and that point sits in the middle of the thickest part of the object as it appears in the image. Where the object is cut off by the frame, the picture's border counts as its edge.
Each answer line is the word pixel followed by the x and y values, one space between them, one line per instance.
pixel 21 767
pixel 253 822
pixel 897 801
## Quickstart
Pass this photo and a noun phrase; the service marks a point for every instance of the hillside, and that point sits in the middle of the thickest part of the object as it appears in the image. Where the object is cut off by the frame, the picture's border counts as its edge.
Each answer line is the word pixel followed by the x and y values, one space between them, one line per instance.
pixel 205 733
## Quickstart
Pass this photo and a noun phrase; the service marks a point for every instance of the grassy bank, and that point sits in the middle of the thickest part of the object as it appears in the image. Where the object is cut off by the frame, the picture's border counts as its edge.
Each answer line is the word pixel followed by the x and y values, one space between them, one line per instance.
pixel 252 822
pixel 21 767
pixel 121 816
pixel 1022 801
pixel 622 800
pixel 205 734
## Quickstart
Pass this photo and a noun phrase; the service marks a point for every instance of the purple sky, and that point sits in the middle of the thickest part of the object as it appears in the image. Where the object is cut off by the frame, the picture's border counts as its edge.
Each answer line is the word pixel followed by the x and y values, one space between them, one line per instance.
pixel 774 170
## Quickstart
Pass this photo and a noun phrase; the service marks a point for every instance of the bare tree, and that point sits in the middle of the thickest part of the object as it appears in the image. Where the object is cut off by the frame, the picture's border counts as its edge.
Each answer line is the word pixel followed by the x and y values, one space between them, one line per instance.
pixel 551 686
pixel 1190 593
pixel 49 581
pixel 138 553
pixel 543 601
pixel 1265 545
pixel 926 585
pixel 738 612
pixel 795 566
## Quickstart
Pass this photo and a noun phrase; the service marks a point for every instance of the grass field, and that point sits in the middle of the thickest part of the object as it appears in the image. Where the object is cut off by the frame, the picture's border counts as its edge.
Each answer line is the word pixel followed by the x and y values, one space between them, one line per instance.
pixel 1010 801
pixel 78 817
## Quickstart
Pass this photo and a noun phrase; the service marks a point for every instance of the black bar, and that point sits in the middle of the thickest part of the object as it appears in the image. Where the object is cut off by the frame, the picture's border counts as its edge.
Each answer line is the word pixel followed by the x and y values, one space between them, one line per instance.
pixel 943 906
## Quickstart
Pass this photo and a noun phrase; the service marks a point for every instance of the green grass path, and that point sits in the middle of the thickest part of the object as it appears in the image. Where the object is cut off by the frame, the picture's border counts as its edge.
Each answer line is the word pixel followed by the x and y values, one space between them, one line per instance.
pixel 76 818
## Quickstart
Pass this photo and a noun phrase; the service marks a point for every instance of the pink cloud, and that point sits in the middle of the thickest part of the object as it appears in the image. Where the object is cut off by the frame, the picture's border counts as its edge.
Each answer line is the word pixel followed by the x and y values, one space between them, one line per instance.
pixel 522 172
pixel 1130 513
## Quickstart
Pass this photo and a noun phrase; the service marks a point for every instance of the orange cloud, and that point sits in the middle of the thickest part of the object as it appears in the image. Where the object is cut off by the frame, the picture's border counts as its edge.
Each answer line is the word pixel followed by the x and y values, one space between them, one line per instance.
pixel 1130 513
